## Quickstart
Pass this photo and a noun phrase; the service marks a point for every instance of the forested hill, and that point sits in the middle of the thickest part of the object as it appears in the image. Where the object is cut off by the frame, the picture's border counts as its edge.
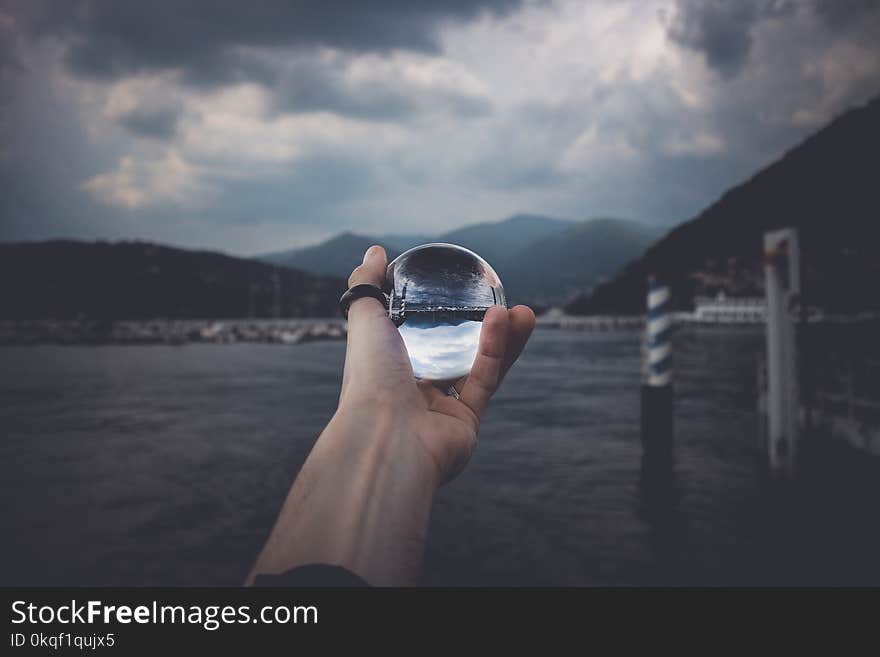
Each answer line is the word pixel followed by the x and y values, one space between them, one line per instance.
pixel 828 187
pixel 129 280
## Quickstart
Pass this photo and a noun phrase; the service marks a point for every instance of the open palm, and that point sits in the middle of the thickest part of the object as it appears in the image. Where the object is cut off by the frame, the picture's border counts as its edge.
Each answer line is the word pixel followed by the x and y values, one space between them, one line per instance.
pixel 378 372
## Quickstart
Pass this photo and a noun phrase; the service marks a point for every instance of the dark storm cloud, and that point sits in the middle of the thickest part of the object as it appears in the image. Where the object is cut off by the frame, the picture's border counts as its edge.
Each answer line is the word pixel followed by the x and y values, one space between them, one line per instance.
pixel 157 123
pixel 575 119
pixel 113 38
pixel 720 29
pixel 311 86
pixel 8 57
pixel 217 68
pixel 843 14
pixel 10 65
pixel 314 86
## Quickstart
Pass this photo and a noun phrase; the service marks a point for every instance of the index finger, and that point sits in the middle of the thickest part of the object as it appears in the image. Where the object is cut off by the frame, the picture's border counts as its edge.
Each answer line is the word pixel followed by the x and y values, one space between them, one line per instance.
pixel 370 272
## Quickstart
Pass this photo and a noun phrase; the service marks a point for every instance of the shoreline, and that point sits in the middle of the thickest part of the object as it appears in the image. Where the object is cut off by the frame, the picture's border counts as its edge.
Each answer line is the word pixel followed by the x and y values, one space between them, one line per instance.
pixel 27 332
pixel 169 331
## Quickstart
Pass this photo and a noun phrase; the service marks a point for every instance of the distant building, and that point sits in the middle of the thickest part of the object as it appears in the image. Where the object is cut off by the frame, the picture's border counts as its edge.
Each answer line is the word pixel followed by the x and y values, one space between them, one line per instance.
pixel 726 310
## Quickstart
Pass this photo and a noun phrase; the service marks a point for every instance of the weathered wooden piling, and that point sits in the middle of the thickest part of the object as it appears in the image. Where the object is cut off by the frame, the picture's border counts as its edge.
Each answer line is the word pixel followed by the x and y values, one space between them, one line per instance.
pixel 657 391
pixel 782 287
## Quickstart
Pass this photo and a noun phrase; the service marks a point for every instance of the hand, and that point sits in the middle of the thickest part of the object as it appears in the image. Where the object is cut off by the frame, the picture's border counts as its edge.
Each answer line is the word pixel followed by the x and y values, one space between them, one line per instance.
pixel 378 377
pixel 363 497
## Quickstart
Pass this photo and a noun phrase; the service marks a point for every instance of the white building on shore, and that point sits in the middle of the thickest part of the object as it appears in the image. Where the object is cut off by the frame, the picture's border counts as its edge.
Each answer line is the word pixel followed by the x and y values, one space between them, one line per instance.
pixel 726 310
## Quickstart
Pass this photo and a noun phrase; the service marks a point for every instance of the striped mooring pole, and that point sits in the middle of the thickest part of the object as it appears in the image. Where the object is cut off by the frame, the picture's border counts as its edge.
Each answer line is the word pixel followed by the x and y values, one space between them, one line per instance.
pixel 658 333
pixel 657 396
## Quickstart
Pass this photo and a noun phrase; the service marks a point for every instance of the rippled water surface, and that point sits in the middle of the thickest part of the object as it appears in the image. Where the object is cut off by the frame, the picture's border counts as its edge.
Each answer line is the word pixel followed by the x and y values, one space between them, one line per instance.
pixel 167 465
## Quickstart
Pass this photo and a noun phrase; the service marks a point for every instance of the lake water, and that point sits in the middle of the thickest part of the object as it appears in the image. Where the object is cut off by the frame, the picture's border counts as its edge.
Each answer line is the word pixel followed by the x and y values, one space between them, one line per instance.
pixel 134 465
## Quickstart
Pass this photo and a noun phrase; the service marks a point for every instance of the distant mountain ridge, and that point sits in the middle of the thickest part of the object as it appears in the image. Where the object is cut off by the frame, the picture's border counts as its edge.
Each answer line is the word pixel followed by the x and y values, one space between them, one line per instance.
pixel 63 279
pixel 828 187
pixel 541 260
pixel 498 241
pixel 333 257
pixel 576 259
pixel 492 240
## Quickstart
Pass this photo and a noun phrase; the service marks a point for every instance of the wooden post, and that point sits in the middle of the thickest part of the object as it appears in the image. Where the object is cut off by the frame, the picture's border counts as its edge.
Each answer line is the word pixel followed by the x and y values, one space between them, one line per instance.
pixel 782 284
pixel 657 395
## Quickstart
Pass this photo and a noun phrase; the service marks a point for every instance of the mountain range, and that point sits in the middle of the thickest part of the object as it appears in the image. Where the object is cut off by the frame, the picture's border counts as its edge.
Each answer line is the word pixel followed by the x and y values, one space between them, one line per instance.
pixel 828 187
pixel 541 260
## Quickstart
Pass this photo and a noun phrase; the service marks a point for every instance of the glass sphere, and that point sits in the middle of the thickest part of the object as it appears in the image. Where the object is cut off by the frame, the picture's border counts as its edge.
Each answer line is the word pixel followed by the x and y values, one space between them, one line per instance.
pixel 438 296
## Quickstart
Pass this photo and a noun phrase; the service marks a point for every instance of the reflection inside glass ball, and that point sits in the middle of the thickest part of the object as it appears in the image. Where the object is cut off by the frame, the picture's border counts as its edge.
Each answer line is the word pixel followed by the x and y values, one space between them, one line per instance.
pixel 438 296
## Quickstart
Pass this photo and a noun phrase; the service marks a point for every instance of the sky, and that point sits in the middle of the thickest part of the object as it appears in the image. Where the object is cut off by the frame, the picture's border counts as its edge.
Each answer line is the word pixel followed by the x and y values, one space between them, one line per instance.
pixel 256 126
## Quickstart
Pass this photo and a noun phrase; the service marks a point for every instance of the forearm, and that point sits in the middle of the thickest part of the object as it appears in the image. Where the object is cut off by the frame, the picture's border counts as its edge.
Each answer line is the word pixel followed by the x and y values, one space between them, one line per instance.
pixel 362 501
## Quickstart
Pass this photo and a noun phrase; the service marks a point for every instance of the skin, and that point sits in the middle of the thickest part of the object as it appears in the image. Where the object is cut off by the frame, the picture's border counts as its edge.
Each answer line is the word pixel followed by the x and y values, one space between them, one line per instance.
pixel 362 499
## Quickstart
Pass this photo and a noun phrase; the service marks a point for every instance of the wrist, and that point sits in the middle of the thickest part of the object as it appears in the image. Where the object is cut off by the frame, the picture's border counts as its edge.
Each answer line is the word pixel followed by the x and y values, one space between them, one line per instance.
pixel 362 501
pixel 383 483
pixel 386 437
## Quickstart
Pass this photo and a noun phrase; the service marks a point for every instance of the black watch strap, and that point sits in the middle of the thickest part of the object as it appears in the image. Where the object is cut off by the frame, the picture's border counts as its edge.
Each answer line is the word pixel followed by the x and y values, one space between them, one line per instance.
pixel 356 292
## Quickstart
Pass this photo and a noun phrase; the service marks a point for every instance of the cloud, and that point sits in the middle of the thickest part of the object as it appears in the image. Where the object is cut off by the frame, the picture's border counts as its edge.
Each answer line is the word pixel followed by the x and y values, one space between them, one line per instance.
pixel 694 143
pixel 159 123
pixel 136 184
pixel 385 88
pixel 443 351
pixel 224 127
pixel 844 14
pixel 721 30
pixel 8 58
pixel 149 106
pixel 113 38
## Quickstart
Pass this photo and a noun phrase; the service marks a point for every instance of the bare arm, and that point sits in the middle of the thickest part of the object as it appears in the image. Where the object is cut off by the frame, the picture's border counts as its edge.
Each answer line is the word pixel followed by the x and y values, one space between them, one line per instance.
pixel 363 497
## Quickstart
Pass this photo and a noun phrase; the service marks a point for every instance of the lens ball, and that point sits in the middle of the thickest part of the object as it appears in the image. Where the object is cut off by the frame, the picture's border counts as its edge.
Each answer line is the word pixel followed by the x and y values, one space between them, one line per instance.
pixel 439 294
